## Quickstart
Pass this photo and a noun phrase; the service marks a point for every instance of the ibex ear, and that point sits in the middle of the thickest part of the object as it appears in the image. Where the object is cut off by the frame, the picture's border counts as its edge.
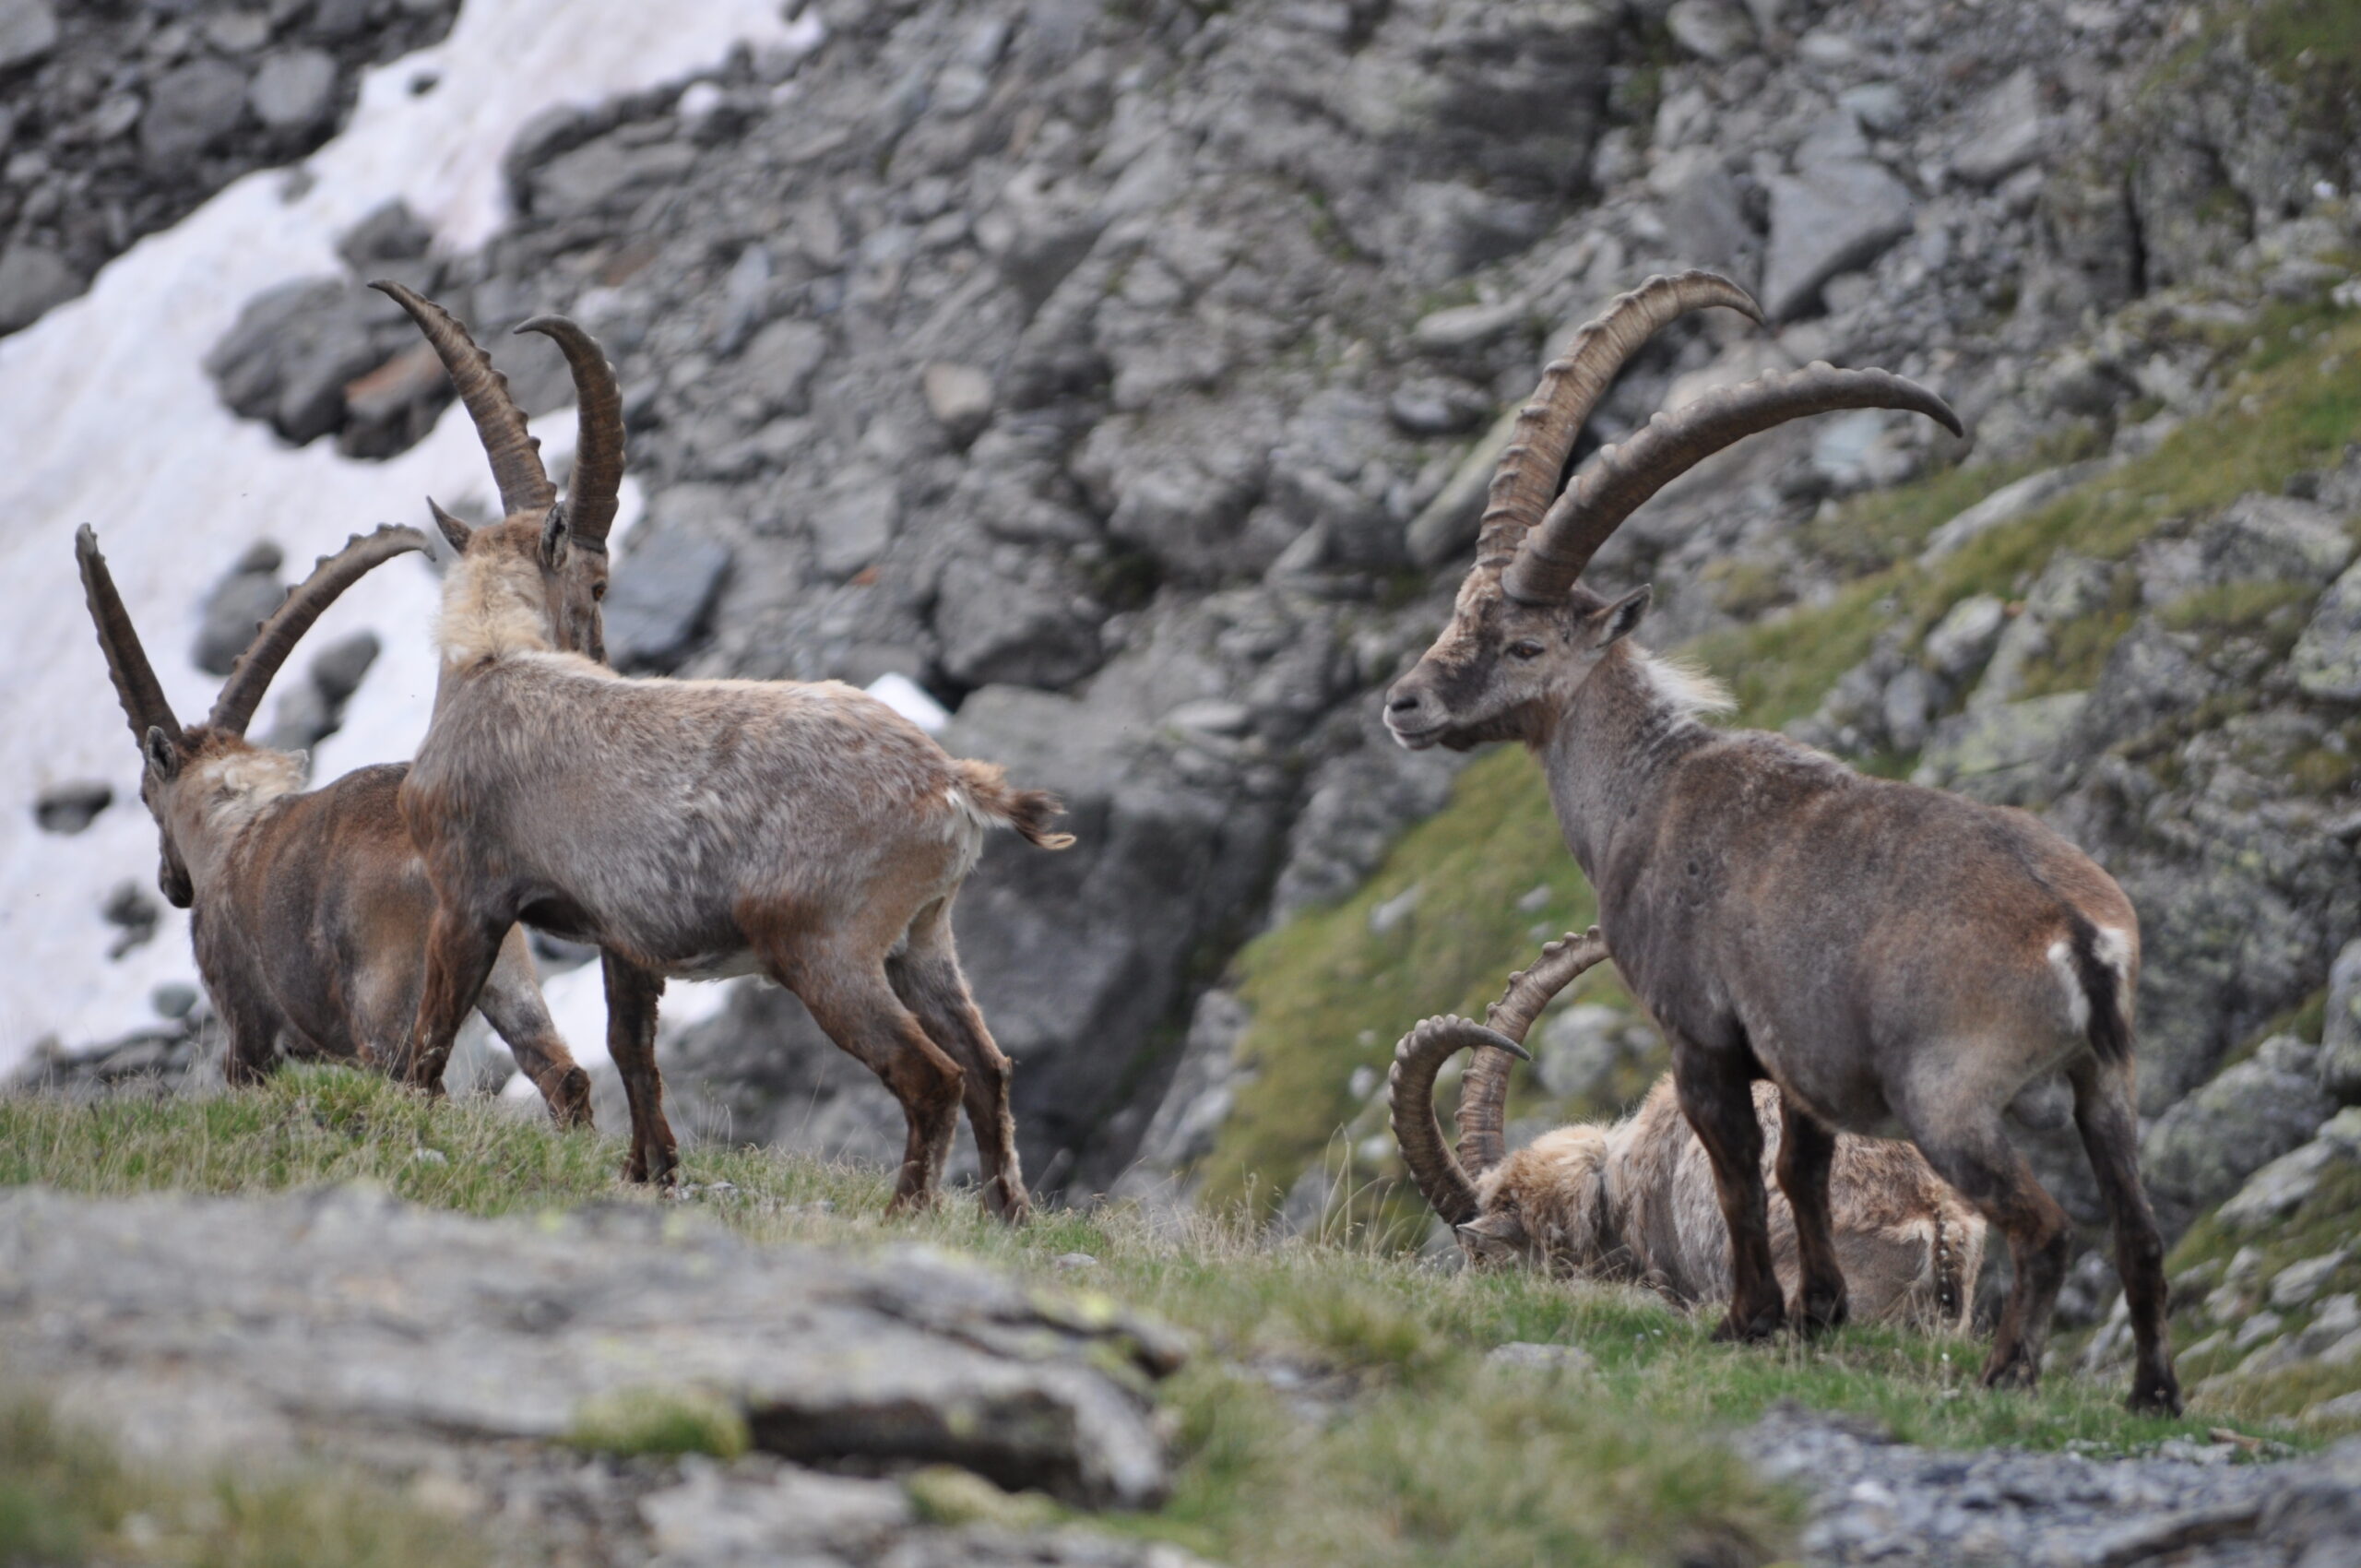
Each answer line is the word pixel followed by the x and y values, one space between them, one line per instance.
pixel 556 537
pixel 163 757
pixel 1621 619
pixel 455 532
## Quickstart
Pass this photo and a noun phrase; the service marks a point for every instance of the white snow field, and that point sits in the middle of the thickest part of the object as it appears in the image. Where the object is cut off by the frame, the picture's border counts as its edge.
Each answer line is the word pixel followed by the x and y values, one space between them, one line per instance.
pixel 112 421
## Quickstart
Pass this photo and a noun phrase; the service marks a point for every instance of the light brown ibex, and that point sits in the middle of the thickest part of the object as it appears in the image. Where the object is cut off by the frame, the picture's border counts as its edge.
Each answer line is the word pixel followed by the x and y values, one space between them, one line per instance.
pixel 1634 1199
pixel 308 910
pixel 700 829
pixel 1887 955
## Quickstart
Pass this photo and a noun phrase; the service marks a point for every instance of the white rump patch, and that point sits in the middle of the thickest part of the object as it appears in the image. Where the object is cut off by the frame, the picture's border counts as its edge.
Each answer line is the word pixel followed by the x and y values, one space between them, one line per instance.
pixel 2078 1001
pixel 1685 685
pixel 2114 950
pixel 967 826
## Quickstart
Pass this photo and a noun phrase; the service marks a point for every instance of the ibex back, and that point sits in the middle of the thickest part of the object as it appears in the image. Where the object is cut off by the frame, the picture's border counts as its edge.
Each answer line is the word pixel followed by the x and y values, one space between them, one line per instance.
pixel 1889 955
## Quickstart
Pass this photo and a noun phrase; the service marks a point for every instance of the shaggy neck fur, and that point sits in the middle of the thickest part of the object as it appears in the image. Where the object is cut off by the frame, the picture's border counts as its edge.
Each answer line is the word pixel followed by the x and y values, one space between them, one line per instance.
pixel 493 603
pixel 1634 719
pixel 218 796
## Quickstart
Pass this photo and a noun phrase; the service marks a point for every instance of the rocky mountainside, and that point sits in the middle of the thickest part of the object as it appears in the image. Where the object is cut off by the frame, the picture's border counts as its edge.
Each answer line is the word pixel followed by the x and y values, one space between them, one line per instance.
pixel 1127 376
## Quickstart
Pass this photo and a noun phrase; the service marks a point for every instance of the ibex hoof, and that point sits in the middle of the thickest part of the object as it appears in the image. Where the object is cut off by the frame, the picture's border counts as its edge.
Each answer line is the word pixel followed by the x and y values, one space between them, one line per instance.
pixel 1750 1328
pixel 2154 1398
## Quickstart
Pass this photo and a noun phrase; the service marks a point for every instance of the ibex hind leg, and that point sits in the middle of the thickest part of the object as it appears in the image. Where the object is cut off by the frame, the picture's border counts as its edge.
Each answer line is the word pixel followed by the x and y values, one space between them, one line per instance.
pixel 632 997
pixel 1716 1093
pixel 1807 1152
pixel 928 979
pixel 512 1003
pixel 1968 1148
pixel 852 1002
pixel 2105 1116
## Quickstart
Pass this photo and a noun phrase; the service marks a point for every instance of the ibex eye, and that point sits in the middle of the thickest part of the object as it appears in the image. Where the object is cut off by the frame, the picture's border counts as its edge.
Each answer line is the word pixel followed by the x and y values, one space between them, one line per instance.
pixel 1528 648
pixel 598 590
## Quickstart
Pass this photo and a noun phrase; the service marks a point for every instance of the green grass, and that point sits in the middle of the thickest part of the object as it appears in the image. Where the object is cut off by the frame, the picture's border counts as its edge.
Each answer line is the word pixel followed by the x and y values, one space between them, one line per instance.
pixel 66 1498
pixel 1393 1347
pixel 661 1421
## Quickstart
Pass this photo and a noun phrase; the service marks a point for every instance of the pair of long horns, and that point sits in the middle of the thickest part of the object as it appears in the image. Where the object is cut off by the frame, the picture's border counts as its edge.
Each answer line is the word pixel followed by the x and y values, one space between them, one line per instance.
pixel 1448 1181
pixel 516 456
pixel 142 695
pixel 1544 552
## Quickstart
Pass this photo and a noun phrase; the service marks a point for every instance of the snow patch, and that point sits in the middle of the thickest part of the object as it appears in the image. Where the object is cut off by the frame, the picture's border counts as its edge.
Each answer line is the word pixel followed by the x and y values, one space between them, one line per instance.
pixel 112 421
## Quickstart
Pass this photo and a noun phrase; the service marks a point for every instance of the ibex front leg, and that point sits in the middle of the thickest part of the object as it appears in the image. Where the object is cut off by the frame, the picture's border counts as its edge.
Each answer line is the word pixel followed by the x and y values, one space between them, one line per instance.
pixel 460 952
pixel 1717 1091
pixel 632 997
pixel 1807 1150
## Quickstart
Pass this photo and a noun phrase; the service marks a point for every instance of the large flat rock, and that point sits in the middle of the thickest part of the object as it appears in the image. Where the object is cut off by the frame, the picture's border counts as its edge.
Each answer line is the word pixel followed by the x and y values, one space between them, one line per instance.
pixel 209 1329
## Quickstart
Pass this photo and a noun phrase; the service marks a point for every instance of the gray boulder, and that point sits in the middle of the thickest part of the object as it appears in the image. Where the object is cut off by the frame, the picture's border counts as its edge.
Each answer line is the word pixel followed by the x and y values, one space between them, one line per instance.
pixel 358 1316
pixel 2203 1149
pixel 33 279
pixel 664 592
pixel 190 108
pixel 1356 805
pixel 2341 1035
pixel 2012 754
pixel 2326 661
pixel 607 177
pixel 1826 219
pixel 28 31
pixel 236 606
pixel 2008 131
pixel 294 90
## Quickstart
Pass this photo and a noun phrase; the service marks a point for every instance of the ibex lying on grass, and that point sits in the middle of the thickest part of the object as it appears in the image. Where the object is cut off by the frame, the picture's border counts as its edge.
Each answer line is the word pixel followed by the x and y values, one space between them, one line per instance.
pixel 704 828
pixel 309 911
pixel 1886 955
pixel 1634 1200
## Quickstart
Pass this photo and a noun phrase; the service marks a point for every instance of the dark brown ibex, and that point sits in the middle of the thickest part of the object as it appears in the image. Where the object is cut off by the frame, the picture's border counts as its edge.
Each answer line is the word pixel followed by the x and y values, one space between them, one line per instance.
pixel 703 828
pixel 1887 956
pixel 308 909
pixel 1634 1199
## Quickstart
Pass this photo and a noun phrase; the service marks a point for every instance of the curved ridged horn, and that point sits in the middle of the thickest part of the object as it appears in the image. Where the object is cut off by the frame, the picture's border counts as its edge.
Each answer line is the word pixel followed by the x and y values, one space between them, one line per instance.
pixel 598 450
pixel 1548 426
pixel 516 457
pixel 242 694
pixel 1620 478
pixel 1418 1056
pixel 1484 1091
pixel 135 685
pixel 1439 1174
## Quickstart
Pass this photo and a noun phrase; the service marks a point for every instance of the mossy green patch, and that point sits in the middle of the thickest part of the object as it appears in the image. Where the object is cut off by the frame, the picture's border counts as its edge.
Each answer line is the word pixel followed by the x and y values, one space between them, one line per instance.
pixel 662 1420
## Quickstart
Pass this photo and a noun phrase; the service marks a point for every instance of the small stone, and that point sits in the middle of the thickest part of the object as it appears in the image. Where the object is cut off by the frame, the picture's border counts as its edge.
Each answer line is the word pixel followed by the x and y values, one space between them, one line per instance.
pixel 1964 637
pixel 1071 1262
pixel 2003 506
pixel 2326 661
pixel 28 31
pixel 2009 132
pixel 236 606
pixel 1712 30
pixel 1390 914
pixel 294 90
pixel 780 361
pixel 1830 219
pixel 1212 715
pixel 173 999
pixel 1438 406
pixel 2299 1283
pixel 960 399
pixel 33 279
pixel 1465 327
pixel 190 108
pixel 238 32
pixel 68 808
pixel 391 232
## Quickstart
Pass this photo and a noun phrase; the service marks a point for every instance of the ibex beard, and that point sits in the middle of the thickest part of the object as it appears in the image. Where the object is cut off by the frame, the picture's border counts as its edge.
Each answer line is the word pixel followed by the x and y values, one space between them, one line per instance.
pixel 1890 956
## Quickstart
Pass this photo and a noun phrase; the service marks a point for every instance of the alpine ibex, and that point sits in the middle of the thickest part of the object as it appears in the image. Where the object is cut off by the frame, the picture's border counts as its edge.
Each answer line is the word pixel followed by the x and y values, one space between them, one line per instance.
pixel 1886 955
pixel 308 910
pixel 703 829
pixel 1635 1201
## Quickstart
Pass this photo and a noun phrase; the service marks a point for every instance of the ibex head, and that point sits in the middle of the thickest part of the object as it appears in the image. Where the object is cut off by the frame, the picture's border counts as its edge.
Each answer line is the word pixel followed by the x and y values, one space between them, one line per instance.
pixel 193 776
pixel 1525 634
pixel 570 537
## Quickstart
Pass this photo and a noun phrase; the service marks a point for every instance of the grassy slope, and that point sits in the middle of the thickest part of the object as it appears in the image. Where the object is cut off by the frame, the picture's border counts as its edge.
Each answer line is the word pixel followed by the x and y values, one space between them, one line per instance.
pixel 1329 994
pixel 1426 1458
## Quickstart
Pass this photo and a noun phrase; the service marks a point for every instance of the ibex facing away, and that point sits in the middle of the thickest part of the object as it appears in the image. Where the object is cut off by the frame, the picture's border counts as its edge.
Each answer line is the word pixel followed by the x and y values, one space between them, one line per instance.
pixel 1634 1200
pixel 1886 955
pixel 309 911
pixel 705 828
